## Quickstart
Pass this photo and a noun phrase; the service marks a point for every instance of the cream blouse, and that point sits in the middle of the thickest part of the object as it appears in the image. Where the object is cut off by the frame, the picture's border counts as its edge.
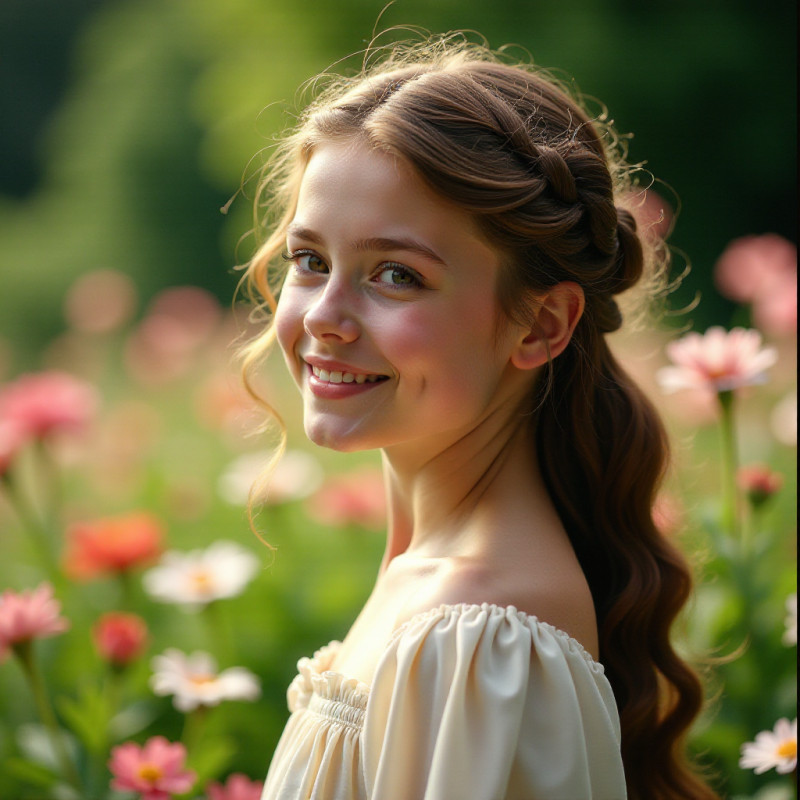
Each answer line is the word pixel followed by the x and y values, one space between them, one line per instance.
pixel 468 702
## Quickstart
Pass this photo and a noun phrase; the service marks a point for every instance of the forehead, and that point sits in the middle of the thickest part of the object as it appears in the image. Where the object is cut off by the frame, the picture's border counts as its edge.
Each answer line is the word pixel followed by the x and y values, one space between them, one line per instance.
pixel 354 191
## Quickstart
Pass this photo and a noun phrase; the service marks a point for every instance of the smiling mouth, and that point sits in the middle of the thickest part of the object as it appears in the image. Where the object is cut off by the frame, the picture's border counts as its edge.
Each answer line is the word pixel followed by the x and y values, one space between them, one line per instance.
pixel 346 377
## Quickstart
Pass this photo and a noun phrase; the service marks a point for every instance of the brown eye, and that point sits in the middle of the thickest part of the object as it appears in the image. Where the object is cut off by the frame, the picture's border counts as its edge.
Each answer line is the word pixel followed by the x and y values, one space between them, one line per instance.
pixel 397 275
pixel 306 261
pixel 315 263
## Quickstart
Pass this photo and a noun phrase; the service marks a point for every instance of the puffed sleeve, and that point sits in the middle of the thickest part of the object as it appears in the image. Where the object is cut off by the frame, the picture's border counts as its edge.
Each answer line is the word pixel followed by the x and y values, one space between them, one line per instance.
pixel 487 703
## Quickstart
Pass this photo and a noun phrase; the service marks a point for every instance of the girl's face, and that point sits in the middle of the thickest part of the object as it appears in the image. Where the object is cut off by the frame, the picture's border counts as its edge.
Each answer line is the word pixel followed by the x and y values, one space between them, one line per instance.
pixel 388 314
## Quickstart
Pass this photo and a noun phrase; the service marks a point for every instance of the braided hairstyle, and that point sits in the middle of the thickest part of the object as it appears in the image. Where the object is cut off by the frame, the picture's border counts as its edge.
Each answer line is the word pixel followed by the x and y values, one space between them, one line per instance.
pixel 507 144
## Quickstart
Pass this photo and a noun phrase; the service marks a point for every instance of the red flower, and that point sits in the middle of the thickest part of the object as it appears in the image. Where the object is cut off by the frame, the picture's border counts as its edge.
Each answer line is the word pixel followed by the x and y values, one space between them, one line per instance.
pixel 45 402
pixel 112 545
pixel 237 787
pixel 759 482
pixel 120 638
pixel 156 770
pixel 29 615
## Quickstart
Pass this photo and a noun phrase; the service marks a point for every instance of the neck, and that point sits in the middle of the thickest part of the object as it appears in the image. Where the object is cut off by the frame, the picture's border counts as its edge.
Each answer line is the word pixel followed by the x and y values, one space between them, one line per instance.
pixel 451 499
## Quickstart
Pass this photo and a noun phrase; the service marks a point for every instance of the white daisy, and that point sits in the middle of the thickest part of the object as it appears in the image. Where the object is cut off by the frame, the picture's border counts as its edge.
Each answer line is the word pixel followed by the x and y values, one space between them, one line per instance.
pixel 790 634
pixel 196 578
pixel 772 749
pixel 193 680
pixel 297 475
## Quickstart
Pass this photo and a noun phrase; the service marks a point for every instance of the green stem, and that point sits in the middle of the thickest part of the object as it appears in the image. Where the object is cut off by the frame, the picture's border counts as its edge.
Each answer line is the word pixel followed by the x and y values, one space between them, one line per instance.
pixel 36 529
pixel 126 588
pixel 219 631
pixel 731 518
pixel 53 489
pixel 24 651
pixel 193 724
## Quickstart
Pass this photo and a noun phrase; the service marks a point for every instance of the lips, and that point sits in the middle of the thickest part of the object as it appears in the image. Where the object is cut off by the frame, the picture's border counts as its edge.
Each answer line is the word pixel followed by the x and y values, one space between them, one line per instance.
pixel 335 380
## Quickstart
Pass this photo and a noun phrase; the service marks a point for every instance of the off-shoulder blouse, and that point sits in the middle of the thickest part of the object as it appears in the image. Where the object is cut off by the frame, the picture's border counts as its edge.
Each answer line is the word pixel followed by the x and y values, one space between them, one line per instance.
pixel 468 702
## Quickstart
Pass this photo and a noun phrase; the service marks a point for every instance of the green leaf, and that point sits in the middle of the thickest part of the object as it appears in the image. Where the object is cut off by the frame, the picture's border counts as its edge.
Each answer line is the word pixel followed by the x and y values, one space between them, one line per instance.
pixel 210 757
pixel 30 772
pixel 36 743
pixel 131 720
pixel 87 716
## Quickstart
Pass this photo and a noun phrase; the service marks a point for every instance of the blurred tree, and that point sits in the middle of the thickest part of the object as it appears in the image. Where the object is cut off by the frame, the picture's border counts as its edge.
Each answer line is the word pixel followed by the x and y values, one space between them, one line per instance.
pixel 169 100
pixel 36 37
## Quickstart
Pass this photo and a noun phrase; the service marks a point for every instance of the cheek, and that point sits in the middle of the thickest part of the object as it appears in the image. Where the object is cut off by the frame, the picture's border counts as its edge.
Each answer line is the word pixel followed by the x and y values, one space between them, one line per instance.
pixel 288 326
pixel 448 352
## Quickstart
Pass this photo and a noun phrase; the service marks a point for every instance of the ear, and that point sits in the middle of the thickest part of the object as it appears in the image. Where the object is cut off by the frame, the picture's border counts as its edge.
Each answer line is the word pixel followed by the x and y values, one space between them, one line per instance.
pixel 555 316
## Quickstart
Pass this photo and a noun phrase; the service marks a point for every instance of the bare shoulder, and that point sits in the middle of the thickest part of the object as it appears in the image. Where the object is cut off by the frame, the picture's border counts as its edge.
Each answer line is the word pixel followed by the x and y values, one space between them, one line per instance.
pixel 556 593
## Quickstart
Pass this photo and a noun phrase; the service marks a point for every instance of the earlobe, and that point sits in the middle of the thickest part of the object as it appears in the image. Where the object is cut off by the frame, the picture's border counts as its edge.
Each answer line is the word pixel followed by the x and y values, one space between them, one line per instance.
pixel 555 316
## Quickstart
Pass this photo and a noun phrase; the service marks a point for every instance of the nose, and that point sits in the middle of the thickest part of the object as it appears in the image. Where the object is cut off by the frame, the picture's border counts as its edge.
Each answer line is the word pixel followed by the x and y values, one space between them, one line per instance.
pixel 332 315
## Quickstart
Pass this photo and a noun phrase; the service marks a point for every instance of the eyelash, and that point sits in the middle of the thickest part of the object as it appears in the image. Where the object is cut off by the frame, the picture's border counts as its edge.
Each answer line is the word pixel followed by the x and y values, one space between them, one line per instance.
pixel 417 281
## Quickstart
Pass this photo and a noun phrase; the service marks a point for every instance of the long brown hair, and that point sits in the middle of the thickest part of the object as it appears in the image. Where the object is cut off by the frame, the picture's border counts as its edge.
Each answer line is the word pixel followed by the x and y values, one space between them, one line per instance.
pixel 545 182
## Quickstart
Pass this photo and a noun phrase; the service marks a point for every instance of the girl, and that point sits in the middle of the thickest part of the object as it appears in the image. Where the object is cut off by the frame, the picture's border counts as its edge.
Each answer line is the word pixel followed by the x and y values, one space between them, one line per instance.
pixel 454 239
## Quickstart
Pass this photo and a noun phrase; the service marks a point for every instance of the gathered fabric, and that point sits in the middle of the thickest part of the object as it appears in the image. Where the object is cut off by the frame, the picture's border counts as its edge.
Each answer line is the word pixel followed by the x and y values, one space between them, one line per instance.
pixel 468 702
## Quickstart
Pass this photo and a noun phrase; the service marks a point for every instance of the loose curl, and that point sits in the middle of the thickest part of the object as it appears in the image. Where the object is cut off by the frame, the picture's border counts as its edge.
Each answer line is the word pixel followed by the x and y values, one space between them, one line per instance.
pixel 548 187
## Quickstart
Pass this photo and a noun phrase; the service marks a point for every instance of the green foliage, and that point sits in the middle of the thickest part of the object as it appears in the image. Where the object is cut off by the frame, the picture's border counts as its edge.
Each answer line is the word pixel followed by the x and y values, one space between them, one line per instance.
pixel 169 101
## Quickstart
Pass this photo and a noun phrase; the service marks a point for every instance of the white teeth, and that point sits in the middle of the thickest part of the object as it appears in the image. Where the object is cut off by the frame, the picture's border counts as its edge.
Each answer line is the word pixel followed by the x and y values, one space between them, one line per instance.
pixel 343 377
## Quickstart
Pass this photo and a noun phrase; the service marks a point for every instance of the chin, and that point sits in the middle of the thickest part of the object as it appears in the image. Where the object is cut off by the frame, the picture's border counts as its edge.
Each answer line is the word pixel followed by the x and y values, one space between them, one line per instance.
pixel 340 441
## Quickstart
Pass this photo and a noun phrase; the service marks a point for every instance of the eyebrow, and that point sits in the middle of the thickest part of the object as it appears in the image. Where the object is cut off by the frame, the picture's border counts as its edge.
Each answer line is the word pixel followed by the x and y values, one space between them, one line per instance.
pixel 380 243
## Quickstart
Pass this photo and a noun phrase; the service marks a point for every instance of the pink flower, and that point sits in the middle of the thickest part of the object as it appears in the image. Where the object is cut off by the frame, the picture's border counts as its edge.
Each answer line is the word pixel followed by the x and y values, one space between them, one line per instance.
pixel 750 264
pixel 179 322
pixel 356 497
pixel 100 301
pixel 112 545
pixel 775 309
pixel 29 615
pixel 762 270
pixel 120 638
pixel 759 482
pixel 237 787
pixel 720 360
pixel 13 437
pixel 667 514
pixel 156 770
pixel 45 402
pixel 653 213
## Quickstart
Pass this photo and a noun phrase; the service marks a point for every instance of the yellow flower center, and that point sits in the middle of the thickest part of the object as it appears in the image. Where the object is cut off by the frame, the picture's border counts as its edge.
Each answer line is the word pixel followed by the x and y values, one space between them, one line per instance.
pixel 787 749
pixel 150 772
pixel 201 680
pixel 202 582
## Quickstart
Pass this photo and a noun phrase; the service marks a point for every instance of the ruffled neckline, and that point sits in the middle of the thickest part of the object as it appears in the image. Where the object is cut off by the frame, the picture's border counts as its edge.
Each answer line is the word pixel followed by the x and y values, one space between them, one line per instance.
pixel 446 610
pixel 316 678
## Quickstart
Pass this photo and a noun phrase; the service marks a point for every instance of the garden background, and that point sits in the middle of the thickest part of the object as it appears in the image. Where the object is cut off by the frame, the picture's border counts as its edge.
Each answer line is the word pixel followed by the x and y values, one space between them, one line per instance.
pixel 126 126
